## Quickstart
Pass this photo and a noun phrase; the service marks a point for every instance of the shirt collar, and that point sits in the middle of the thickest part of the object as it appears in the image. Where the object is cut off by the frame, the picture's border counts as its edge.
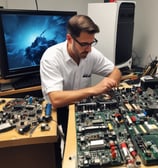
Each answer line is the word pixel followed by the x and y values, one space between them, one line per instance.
pixel 67 56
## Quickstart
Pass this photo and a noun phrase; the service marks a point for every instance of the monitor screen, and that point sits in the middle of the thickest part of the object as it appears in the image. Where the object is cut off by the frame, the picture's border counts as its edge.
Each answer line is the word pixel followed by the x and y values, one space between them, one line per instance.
pixel 25 35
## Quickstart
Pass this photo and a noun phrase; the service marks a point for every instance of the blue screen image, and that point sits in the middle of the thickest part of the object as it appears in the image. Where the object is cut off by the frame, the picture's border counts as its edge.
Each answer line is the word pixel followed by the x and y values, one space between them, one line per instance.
pixel 28 36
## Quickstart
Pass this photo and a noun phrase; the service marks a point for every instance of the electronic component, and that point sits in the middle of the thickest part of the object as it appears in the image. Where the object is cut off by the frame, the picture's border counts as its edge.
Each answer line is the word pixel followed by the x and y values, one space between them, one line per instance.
pixel 6 127
pixel 48 112
pixel 149 82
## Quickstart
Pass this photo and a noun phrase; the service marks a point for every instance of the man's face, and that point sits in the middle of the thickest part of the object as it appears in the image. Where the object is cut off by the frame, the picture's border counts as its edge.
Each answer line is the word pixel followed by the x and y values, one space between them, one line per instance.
pixel 81 45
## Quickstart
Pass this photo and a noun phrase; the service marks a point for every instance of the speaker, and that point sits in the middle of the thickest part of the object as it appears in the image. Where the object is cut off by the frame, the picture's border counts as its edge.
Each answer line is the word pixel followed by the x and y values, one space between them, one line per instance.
pixel 116 23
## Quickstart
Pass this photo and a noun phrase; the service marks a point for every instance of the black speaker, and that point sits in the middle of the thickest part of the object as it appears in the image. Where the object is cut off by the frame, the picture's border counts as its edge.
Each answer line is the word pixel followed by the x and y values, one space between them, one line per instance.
pixel 125 28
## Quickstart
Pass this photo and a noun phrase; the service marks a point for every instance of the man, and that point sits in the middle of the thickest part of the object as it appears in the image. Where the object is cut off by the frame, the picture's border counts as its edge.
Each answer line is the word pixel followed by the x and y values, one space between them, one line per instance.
pixel 66 68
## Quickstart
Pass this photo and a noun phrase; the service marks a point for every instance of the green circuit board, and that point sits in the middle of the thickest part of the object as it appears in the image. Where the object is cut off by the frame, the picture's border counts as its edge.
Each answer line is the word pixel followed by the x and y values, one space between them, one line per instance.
pixel 116 129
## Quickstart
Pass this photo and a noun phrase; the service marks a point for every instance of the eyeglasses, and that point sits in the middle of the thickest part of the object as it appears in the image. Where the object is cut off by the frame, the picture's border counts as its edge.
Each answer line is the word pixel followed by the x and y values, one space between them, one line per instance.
pixel 84 44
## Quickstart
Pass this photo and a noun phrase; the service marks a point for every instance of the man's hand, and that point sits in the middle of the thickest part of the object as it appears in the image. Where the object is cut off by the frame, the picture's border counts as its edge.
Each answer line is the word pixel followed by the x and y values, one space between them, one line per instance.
pixel 104 85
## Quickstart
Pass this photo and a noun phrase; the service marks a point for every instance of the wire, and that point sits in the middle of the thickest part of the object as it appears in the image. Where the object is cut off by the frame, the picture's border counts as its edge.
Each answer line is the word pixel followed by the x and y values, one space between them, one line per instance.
pixel 36 3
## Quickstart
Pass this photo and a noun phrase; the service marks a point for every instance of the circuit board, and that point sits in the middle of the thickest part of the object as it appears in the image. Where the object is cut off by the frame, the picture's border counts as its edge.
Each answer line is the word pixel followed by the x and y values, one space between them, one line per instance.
pixel 24 115
pixel 115 128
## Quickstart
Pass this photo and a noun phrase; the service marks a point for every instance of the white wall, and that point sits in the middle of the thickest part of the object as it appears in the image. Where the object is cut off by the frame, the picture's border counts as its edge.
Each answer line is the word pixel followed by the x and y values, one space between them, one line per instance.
pixel 145 42
pixel 78 5
pixel 3 3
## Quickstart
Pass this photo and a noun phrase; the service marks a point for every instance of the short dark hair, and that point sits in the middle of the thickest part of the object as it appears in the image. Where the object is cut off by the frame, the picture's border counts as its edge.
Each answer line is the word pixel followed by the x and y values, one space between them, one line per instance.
pixel 81 23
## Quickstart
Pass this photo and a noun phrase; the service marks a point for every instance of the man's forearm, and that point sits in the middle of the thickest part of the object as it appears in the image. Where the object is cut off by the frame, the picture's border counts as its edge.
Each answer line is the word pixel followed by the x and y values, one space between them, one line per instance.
pixel 116 75
pixel 62 98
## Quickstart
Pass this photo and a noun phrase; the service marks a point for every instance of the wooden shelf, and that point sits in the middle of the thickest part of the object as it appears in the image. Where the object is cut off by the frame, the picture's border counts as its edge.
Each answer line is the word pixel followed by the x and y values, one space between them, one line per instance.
pixel 17 91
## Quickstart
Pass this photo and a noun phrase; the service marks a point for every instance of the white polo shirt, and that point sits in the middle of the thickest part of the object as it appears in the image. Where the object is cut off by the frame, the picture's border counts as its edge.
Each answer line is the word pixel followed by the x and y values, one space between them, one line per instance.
pixel 60 72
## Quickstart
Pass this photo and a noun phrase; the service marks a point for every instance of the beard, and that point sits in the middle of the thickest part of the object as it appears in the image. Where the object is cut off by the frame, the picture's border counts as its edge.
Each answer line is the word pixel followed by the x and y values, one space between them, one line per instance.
pixel 79 54
pixel 83 54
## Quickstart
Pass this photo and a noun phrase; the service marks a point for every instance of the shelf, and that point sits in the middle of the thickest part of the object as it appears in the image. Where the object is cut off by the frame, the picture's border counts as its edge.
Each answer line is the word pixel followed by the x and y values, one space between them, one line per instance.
pixel 17 91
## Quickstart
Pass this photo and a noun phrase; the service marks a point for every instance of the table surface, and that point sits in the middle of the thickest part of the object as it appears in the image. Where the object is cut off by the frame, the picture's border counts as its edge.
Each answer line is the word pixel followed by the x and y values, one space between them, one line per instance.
pixel 13 138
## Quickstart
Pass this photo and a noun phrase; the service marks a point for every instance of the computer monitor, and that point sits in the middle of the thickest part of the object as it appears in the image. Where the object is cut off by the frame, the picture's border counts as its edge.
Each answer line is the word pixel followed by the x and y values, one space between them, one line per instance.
pixel 25 35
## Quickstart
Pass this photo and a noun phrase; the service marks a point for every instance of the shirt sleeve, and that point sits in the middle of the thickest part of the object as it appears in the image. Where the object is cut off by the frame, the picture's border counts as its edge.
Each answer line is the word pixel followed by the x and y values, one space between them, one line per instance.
pixel 51 78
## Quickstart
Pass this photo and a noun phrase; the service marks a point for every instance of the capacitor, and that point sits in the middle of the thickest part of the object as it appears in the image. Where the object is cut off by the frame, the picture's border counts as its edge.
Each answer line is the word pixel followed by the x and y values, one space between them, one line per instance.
pixel 45 127
pixel 30 100
pixel 133 118
pixel 113 154
pixel 48 111
pixel 112 149
pixel 110 126
pixel 136 130
pixel 111 143
pixel 129 120
pixel 124 149
pixel 132 151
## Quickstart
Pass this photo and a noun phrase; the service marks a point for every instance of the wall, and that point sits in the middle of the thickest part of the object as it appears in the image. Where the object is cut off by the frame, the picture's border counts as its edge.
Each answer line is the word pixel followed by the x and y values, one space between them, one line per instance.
pixel 145 44
pixel 78 5
pixel 3 3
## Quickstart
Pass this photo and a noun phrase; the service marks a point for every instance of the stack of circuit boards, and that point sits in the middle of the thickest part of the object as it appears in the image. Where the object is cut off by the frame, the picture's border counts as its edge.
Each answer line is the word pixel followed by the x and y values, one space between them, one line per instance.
pixel 118 129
